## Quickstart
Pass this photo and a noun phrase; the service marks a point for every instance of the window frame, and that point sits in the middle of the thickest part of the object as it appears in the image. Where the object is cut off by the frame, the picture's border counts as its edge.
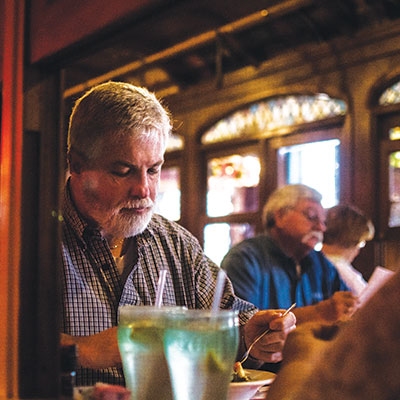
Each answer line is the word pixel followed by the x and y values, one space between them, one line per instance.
pixel 214 151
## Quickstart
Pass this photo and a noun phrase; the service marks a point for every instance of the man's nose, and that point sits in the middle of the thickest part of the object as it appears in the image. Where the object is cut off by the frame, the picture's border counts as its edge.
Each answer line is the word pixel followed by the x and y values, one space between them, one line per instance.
pixel 140 186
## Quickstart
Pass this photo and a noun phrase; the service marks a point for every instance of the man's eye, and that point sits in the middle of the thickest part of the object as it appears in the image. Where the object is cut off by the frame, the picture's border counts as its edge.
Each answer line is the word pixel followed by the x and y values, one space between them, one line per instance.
pixel 154 171
pixel 121 172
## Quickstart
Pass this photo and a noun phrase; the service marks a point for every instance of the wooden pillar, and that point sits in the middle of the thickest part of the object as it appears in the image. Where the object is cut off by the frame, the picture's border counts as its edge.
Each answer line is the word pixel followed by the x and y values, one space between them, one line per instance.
pixel 10 193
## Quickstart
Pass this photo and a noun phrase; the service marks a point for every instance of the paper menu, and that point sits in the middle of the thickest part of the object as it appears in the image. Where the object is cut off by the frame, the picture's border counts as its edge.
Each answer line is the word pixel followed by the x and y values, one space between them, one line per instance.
pixel 378 278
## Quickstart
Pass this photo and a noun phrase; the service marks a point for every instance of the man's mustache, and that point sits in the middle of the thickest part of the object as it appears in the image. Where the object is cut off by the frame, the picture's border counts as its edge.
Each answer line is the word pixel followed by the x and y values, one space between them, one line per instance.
pixel 143 203
pixel 313 235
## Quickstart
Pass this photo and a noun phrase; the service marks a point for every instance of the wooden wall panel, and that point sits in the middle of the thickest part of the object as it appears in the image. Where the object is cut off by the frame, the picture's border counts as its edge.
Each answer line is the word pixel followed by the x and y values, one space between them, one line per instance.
pixel 10 194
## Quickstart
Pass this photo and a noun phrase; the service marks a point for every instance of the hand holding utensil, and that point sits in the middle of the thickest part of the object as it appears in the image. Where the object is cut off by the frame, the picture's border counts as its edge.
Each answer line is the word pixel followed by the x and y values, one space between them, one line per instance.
pixel 247 353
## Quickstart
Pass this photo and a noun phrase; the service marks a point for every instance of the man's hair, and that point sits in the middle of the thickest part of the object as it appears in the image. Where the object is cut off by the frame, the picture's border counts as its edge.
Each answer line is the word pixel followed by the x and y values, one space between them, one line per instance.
pixel 287 197
pixel 347 226
pixel 117 109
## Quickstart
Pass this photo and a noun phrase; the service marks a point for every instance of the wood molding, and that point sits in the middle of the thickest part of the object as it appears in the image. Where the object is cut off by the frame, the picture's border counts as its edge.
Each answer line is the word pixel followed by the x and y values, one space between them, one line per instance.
pixel 10 194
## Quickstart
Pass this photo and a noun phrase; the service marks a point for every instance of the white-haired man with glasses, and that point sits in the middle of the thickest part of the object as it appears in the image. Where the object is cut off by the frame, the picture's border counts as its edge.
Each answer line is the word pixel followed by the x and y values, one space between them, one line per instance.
pixel 281 267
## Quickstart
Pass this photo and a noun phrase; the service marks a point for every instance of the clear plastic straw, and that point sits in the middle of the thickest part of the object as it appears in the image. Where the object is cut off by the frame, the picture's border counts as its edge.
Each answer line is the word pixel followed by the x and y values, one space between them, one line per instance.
pixel 219 288
pixel 160 287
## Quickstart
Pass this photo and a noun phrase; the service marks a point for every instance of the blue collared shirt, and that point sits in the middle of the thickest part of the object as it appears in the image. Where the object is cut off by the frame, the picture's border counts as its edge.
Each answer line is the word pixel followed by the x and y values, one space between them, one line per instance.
pixel 262 274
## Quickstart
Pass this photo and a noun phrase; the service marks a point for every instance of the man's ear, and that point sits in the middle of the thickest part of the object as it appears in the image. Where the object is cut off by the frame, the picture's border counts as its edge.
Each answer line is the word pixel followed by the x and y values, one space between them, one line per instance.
pixel 76 162
pixel 278 215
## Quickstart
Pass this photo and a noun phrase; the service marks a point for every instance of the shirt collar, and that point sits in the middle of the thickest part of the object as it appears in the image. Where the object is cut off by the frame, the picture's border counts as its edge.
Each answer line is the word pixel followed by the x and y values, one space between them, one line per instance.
pixel 305 262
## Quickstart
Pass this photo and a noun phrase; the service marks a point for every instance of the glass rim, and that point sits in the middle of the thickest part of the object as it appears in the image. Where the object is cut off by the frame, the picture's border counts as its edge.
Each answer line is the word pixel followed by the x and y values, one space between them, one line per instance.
pixel 125 311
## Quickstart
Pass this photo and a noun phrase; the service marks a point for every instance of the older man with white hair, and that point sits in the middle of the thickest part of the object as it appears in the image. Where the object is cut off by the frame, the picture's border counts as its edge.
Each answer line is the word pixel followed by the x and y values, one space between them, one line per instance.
pixel 281 267
pixel 114 246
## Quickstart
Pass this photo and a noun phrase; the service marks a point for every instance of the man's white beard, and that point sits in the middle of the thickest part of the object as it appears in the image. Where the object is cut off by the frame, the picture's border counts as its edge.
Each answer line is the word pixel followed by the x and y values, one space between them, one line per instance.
pixel 127 225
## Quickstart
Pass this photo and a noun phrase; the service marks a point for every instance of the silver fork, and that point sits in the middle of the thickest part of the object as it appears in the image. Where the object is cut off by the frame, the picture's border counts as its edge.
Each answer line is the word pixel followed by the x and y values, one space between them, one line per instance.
pixel 246 354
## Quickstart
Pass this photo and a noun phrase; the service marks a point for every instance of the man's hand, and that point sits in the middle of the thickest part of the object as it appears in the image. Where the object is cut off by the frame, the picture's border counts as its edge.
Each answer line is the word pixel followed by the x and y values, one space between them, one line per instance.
pixel 340 307
pixel 269 347
pixel 96 351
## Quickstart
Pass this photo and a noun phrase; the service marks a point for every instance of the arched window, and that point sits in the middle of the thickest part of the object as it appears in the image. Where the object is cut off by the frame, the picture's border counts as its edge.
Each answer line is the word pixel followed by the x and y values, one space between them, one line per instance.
pixel 266 116
pixel 391 95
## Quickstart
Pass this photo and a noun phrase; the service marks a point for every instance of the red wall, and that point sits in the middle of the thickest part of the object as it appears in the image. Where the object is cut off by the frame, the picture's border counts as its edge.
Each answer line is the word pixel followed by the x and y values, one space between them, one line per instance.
pixel 2 22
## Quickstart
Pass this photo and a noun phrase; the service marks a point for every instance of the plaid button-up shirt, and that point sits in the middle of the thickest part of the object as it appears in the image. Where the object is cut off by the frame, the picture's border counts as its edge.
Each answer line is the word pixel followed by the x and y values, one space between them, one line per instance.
pixel 93 288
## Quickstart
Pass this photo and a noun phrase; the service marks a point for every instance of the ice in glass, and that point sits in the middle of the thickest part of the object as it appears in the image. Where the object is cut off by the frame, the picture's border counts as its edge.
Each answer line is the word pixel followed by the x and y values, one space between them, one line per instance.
pixel 200 349
pixel 140 340
pixel 172 353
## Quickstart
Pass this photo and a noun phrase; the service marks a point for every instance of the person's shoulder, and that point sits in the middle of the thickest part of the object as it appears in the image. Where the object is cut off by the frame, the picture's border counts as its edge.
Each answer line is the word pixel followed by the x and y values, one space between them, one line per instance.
pixel 249 249
pixel 320 257
pixel 248 245
pixel 160 225
pixel 328 270
pixel 255 241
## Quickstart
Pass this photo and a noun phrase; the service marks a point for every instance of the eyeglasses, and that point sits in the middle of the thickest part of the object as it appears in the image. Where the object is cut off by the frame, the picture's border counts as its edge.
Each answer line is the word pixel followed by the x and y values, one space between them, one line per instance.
pixel 311 217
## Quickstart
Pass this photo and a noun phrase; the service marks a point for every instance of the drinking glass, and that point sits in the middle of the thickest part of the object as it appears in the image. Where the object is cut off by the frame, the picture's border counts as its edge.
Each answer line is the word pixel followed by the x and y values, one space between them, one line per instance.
pixel 200 347
pixel 140 340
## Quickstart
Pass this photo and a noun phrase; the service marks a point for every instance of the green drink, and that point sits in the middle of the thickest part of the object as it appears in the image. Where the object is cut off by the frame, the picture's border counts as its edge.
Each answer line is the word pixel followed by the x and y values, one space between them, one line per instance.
pixel 140 340
pixel 200 349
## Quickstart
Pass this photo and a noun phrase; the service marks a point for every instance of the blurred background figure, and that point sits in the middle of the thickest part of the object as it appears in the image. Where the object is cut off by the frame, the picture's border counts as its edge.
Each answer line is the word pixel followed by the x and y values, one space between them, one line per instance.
pixel 347 231
pixel 280 267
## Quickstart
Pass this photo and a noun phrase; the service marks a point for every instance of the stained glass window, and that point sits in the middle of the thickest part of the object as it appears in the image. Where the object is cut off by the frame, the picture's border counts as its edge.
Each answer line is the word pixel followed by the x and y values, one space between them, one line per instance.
pixel 391 95
pixel 232 184
pixel 394 133
pixel 233 187
pixel 274 113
